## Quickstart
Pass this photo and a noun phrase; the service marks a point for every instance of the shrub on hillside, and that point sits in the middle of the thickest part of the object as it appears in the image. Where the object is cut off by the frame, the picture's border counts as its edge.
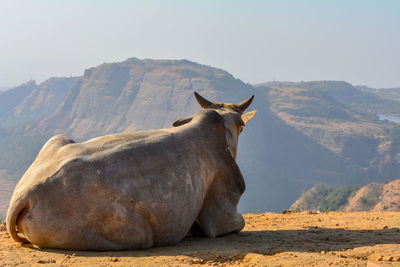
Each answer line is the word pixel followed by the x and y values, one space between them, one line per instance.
pixel 323 198
pixel 338 199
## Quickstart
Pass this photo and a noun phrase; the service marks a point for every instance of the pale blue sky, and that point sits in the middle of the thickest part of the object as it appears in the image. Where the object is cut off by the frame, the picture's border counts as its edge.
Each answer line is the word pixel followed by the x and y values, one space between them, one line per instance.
pixel 256 41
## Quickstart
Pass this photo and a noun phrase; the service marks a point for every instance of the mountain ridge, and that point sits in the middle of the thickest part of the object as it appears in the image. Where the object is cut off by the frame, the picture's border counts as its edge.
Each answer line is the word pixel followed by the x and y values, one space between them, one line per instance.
pixel 280 153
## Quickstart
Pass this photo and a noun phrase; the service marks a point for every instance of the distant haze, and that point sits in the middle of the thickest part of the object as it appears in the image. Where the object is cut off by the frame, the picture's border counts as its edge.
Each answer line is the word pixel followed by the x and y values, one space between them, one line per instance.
pixel 256 41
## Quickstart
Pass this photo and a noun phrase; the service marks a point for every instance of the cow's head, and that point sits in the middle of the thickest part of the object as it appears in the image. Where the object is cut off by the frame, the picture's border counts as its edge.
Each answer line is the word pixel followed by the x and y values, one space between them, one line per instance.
pixel 233 116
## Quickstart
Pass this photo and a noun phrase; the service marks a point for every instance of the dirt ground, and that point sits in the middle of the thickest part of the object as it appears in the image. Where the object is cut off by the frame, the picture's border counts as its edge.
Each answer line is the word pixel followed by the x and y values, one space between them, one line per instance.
pixel 269 239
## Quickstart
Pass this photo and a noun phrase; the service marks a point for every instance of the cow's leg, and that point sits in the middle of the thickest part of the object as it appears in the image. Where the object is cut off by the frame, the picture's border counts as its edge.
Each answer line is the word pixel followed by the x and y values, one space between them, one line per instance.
pixel 219 215
pixel 99 230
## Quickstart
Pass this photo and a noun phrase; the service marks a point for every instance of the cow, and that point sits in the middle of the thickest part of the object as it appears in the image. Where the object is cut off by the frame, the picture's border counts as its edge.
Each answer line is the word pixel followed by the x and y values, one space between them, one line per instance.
pixel 135 190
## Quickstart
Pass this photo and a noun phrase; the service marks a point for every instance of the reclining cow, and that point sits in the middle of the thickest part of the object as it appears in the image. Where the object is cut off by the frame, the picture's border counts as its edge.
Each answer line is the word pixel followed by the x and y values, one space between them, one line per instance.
pixel 135 190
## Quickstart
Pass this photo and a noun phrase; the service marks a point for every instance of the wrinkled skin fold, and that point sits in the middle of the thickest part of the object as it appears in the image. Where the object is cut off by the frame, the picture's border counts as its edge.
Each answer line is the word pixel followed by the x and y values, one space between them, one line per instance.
pixel 135 190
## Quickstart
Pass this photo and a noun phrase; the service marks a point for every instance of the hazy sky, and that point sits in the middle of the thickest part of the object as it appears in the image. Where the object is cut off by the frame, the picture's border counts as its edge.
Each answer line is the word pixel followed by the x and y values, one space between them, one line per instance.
pixel 256 41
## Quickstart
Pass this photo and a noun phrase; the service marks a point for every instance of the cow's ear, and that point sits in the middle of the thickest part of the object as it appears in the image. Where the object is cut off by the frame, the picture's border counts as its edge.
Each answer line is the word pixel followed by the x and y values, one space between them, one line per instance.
pixel 182 121
pixel 248 116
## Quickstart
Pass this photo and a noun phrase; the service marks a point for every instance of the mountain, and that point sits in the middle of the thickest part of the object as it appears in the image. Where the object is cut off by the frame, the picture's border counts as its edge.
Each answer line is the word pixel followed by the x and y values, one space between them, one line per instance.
pixel 303 134
pixel 341 118
pixel 137 95
pixel 31 102
pixel 19 105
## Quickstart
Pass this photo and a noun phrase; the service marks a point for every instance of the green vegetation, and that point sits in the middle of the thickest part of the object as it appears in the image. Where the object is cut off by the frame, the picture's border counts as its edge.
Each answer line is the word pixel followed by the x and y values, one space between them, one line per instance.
pixel 323 198
pixel 320 192
pixel 366 202
pixel 337 199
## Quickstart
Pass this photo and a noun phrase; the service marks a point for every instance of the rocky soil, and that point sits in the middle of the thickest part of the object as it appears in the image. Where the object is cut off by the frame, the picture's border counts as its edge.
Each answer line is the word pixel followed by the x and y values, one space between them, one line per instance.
pixel 269 239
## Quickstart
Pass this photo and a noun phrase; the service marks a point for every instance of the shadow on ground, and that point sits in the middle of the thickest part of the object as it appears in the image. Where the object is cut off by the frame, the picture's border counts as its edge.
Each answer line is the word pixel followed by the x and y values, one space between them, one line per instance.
pixel 234 246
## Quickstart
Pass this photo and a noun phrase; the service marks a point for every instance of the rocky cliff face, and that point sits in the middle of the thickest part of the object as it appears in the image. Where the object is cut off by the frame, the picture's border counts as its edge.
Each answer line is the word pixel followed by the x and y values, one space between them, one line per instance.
pixel 137 95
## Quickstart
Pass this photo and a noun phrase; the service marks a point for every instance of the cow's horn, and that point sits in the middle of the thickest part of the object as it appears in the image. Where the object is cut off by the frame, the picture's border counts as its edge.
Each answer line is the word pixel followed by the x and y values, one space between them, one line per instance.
pixel 204 103
pixel 245 104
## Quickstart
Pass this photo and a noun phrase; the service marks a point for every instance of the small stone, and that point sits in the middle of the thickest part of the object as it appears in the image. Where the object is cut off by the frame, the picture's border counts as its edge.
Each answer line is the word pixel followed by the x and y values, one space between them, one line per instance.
pixel 46 261
pixel 114 259
pixel 396 259
pixel 199 261
pixel 73 255
pixel 323 252
pixel 180 258
pixel 379 258
pixel 385 227
pixel 287 211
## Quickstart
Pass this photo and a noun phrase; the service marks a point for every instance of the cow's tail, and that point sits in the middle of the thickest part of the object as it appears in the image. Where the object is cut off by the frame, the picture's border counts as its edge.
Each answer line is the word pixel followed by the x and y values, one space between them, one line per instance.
pixel 13 212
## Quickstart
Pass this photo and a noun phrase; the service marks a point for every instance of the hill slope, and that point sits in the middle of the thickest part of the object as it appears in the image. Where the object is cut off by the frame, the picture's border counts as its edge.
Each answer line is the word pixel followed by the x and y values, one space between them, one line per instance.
pixel 376 197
